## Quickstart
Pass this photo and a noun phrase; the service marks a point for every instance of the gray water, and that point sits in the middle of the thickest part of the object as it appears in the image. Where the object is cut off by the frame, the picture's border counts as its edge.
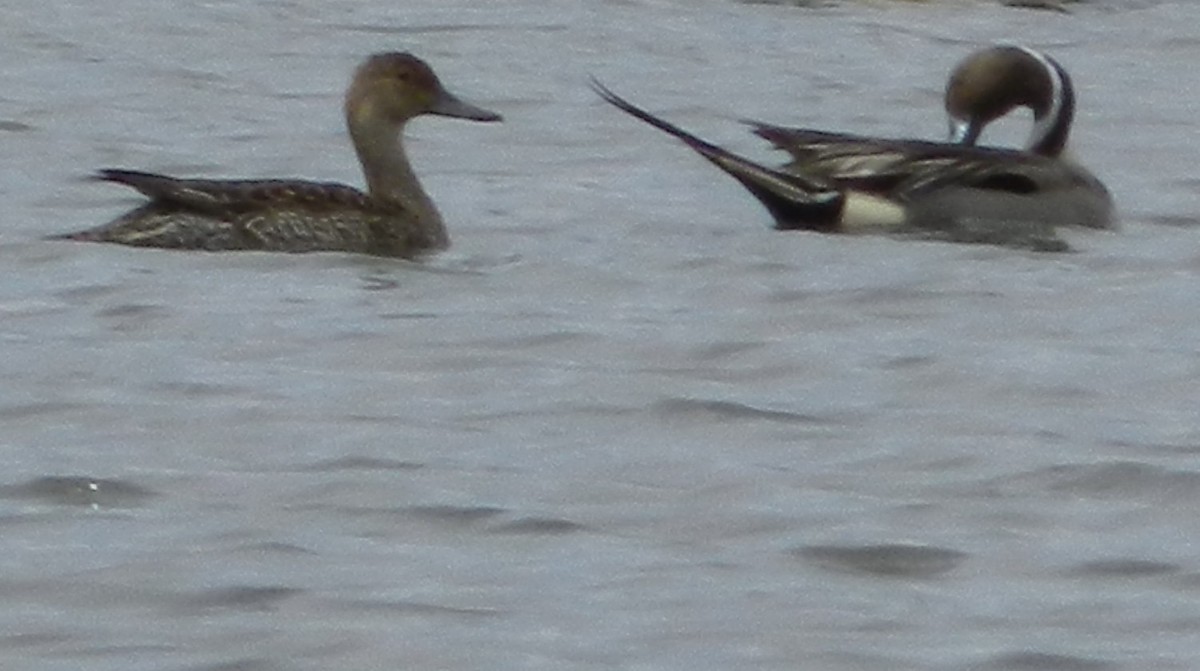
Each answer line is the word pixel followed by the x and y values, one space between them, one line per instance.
pixel 621 424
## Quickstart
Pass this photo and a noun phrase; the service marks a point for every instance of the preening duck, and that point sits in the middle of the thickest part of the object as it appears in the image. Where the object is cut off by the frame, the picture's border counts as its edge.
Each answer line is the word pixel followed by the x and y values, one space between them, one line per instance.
pixel 846 183
pixel 394 217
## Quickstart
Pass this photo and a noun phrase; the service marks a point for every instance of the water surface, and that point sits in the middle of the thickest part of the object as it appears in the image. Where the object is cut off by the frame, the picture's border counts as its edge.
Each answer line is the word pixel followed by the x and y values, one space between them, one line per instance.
pixel 621 423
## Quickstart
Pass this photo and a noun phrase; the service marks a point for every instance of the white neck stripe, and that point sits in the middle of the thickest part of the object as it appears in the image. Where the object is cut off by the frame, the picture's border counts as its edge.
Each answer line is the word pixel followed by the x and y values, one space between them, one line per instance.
pixel 1043 126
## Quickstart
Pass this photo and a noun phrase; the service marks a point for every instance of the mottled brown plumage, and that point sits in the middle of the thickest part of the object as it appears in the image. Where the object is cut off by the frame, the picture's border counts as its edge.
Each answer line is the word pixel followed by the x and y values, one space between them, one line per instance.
pixel 394 217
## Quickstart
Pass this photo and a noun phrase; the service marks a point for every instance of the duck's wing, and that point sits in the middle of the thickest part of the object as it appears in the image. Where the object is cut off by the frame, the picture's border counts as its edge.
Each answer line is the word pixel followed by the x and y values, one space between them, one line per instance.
pixel 869 164
pixel 896 167
pixel 806 143
pixel 228 196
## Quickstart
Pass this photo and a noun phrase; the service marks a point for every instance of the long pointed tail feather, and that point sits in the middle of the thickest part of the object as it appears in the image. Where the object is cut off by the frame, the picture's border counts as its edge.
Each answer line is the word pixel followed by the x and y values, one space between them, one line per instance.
pixel 793 200
pixel 198 193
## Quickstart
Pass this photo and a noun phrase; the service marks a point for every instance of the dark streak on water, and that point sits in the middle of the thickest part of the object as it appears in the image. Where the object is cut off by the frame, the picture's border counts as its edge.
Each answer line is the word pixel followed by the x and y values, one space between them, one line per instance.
pixel 78 490
pixel 900 561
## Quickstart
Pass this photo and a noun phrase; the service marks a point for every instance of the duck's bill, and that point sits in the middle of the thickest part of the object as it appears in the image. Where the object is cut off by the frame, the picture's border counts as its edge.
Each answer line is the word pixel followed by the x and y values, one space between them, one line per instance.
pixel 448 105
pixel 964 132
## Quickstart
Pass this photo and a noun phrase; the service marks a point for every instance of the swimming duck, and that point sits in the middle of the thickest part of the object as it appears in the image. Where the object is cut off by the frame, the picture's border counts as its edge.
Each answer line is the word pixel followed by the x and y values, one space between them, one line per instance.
pixel 840 182
pixel 394 217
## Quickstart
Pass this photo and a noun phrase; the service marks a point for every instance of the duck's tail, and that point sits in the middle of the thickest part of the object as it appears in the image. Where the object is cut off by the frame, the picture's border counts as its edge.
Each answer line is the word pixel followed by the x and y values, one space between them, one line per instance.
pixel 796 202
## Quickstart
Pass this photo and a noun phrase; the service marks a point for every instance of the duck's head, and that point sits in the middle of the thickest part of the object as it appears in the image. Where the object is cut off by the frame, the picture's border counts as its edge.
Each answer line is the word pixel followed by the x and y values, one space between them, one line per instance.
pixel 989 83
pixel 395 87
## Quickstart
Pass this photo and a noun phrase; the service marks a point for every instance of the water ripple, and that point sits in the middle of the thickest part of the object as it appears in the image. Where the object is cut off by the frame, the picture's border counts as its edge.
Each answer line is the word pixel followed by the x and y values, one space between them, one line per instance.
pixel 727 410
pixel 1041 661
pixel 455 514
pixel 79 490
pixel 1123 568
pixel 361 463
pixel 539 526
pixel 241 597
pixel 420 608
pixel 892 560
pixel 1117 478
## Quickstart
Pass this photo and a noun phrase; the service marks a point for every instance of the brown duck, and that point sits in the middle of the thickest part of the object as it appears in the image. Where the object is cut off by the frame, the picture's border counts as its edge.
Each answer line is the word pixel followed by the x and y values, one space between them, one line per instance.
pixel 394 217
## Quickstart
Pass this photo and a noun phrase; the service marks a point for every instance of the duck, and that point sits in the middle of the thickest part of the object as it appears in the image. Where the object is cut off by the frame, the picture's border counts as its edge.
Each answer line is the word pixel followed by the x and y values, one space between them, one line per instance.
pixel 956 190
pixel 394 217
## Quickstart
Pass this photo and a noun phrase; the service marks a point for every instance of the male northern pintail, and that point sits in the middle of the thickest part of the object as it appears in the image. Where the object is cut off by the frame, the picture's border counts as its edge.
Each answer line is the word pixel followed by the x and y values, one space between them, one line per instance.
pixel 395 217
pixel 840 182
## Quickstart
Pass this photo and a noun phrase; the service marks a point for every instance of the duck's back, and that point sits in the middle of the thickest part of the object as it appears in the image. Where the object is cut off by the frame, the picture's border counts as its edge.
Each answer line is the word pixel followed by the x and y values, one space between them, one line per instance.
pixel 947 182
pixel 269 215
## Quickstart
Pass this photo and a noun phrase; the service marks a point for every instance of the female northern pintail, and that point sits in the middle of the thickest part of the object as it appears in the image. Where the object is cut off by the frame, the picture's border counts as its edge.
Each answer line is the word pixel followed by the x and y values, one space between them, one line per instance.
pixel 839 182
pixel 395 217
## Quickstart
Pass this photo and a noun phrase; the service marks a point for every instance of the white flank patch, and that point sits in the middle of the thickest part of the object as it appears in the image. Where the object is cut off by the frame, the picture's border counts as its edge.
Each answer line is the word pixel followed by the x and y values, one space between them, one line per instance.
pixel 864 212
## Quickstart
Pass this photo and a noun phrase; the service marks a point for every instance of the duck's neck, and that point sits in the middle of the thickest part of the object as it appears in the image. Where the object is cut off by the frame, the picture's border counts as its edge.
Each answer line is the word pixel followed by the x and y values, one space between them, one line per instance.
pixel 1052 126
pixel 390 177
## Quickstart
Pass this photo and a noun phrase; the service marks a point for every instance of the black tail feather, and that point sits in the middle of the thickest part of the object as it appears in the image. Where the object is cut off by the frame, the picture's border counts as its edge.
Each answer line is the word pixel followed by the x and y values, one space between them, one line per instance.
pixel 795 201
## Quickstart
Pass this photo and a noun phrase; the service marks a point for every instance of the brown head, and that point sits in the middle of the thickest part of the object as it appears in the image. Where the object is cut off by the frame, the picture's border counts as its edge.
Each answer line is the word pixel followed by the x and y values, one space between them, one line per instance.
pixel 395 87
pixel 990 83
